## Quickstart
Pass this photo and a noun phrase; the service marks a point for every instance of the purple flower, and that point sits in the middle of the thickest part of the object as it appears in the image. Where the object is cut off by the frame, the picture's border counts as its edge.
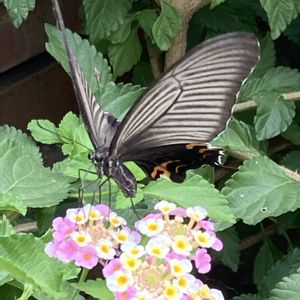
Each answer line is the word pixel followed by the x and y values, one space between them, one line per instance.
pixel 128 294
pixel 62 228
pixel 66 250
pixel 202 261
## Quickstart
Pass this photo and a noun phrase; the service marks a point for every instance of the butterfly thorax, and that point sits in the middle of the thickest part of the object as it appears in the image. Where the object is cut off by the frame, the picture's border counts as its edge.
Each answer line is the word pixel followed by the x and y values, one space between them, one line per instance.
pixel 114 168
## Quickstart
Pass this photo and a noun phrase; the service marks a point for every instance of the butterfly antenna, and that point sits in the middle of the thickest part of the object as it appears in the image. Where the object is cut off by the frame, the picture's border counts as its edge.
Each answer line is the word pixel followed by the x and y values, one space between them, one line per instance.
pixel 62 136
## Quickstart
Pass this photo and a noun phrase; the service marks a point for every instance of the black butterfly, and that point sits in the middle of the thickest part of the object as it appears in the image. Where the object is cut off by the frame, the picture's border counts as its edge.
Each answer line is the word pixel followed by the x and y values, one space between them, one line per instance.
pixel 167 130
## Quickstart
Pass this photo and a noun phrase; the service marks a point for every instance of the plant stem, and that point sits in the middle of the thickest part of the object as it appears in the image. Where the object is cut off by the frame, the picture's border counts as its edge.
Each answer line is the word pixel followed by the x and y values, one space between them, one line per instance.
pixel 82 278
pixel 294 96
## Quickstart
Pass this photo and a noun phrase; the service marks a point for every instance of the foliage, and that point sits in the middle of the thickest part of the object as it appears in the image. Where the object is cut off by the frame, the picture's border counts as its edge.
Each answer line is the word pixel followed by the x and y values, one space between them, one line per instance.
pixel 258 200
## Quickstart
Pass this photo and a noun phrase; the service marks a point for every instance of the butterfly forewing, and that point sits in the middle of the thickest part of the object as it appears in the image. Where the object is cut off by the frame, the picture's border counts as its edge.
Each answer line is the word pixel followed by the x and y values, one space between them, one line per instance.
pixel 193 101
pixel 100 125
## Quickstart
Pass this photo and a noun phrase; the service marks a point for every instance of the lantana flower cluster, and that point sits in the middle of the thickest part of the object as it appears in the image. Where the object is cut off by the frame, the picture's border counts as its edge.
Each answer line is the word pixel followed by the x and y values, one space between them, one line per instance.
pixel 89 235
pixel 154 263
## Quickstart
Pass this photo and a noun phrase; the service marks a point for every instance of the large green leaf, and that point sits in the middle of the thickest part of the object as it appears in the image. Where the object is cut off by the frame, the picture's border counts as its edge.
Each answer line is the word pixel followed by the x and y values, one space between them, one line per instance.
pixel 87 56
pixel 104 16
pixel 24 178
pixel 124 56
pixel 147 18
pixel 118 98
pixel 18 10
pixel 194 191
pixel 230 254
pixel 24 258
pixel 239 137
pixel 280 14
pixel 288 288
pixel 288 265
pixel 248 297
pixel 274 115
pixel 261 189
pixel 166 26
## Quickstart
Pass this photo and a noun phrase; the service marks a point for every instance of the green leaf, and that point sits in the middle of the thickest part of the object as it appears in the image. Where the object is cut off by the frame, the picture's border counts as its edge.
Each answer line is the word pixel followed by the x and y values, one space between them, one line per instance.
pixel 293 134
pixel 194 191
pixel 279 80
pixel 104 16
pixel 24 178
pixel 87 56
pixel 125 55
pixel 292 161
pixel 142 74
pixel 18 10
pixel 138 173
pixel 280 14
pixel 24 258
pixel 13 203
pixel 267 57
pixel 260 189
pixel 123 202
pixel 118 98
pixel 230 254
pixel 292 31
pixel 286 266
pixel 121 35
pixel 95 288
pixel 166 26
pixel 288 288
pixel 264 261
pixel 238 137
pixel 215 3
pixel 44 131
pixel 6 228
pixel 274 115
pixel 147 18
pixel 67 125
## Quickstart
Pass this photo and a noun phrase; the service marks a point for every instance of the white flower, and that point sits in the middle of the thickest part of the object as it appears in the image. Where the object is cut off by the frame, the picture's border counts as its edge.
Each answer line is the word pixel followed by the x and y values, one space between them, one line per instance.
pixel 81 238
pixel 116 220
pixel 181 245
pixel 92 213
pixel 204 239
pixel 196 213
pixel 151 227
pixel 180 267
pixel 76 215
pixel 165 207
pixel 120 281
pixel 105 249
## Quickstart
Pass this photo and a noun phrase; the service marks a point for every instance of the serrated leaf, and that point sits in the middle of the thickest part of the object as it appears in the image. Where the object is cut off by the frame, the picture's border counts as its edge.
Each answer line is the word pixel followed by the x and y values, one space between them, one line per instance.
pixel 230 254
pixel 274 115
pixel 87 56
pixel 194 191
pixel 215 3
pixel 6 228
pixel 147 18
pixel 288 288
pixel 286 266
pixel 24 258
pixel 13 203
pixel 18 10
pixel 238 137
pixel 44 131
pixel 67 125
pixel 125 55
pixel 95 288
pixel 292 161
pixel 293 134
pixel 166 26
pixel 118 98
pixel 24 177
pixel 280 14
pixel 267 57
pixel 104 16
pixel 260 189
pixel 264 261
pixel 279 80
pixel 122 34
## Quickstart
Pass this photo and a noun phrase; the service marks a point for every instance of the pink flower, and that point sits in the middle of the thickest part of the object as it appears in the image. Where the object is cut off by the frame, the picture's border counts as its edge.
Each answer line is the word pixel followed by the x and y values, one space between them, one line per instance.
pixel 62 228
pixel 202 261
pixel 50 249
pixel 66 250
pixel 86 257
pixel 147 217
pixel 104 209
pixel 217 245
pixel 207 225
pixel 127 295
pixel 179 211
pixel 113 266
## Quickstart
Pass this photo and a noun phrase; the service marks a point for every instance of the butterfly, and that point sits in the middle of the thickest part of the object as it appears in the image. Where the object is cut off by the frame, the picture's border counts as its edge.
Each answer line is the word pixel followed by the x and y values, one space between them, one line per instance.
pixel 167 131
